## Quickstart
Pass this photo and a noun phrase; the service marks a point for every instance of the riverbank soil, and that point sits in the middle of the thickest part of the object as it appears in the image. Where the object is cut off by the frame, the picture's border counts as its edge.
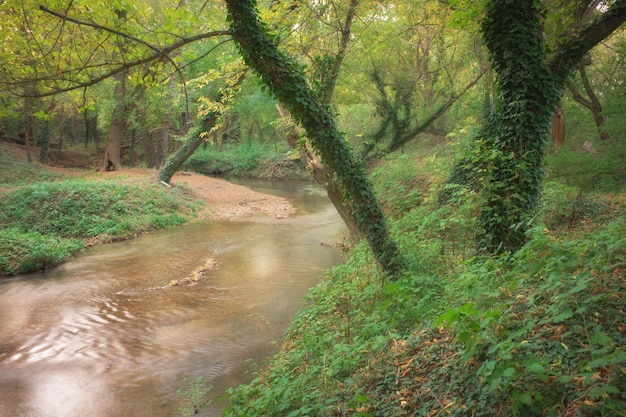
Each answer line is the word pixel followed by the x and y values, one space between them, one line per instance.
pixel 222 199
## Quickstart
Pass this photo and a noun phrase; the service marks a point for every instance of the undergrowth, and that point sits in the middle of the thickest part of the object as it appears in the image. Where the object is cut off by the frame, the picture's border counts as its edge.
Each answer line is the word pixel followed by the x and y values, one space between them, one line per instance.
pixel 537 333
pixel 44 223
pixel 238 160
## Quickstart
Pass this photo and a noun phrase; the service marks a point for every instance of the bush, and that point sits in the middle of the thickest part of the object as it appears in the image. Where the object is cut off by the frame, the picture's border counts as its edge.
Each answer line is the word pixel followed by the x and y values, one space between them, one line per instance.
pixel 241 160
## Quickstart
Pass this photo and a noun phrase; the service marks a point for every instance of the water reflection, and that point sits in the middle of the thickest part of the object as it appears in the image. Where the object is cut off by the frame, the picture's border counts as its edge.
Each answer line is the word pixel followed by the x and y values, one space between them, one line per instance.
pixel 94 338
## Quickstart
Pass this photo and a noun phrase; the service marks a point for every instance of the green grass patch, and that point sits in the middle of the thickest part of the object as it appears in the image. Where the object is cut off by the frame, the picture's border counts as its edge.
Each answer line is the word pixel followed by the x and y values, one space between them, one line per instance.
pixel 36 217
pixel 15 172
pixel 25 252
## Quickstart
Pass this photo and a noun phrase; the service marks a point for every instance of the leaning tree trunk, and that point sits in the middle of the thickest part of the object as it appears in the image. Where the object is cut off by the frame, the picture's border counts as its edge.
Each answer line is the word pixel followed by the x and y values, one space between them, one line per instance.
pixel 113 148
pixel 187 149
pixel 288 84
pixel 320 173
pixel 174 162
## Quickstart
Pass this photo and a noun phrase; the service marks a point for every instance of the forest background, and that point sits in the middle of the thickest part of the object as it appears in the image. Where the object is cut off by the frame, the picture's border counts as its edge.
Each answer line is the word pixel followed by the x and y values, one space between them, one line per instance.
pixel 411 85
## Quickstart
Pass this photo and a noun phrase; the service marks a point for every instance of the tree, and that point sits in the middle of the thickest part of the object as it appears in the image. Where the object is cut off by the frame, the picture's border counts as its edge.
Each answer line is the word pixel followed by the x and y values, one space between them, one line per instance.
pixel 285 80
pixel 505 159
pixel 326 51
pixel 417 80
pixel 231 77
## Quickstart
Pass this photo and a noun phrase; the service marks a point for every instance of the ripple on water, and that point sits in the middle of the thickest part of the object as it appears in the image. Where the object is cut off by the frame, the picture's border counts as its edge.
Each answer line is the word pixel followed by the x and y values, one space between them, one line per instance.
pixel 90 338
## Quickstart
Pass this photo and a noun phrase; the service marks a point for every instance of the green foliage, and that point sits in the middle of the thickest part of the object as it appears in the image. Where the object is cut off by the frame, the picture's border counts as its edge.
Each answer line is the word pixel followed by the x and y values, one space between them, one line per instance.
pixel 88 208
pixel 42 224
pixel 24 252
pixel 569 207
pixel 195 396
pixel 241 159
pixel 539 332
pixel 505 160
pixel 572 165
pixel 397 186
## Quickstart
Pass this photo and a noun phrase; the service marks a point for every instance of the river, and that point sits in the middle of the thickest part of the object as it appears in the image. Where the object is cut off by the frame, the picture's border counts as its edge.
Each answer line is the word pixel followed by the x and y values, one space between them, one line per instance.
pixel 94 338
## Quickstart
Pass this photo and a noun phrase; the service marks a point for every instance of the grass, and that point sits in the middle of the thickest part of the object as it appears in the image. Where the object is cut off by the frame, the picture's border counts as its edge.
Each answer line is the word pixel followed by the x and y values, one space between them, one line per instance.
pixel 43 223
pixel 251 160
pixel 15 172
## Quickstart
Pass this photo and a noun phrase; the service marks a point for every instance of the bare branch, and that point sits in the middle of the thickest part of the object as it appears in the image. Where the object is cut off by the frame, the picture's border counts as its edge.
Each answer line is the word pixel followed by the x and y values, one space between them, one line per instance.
pixel 161 53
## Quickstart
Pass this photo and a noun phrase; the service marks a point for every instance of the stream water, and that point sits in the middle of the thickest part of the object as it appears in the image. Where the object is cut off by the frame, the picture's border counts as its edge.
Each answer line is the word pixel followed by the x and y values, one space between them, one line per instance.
pixel 92 338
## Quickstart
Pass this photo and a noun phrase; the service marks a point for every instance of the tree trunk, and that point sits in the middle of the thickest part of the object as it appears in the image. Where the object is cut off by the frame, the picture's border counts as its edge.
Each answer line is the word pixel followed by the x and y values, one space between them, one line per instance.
pixel 195 138
pixel 164 139
pixel 187 149
pixel 321 174
pixel 288 84
pixel 29 129
pixel 505 161
pixel 558 129
pixel 117 129
pixel 591 102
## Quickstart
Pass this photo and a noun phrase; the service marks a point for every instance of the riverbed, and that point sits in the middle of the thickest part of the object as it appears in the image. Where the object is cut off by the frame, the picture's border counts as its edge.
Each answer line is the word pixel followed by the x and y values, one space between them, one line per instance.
pixel 109 334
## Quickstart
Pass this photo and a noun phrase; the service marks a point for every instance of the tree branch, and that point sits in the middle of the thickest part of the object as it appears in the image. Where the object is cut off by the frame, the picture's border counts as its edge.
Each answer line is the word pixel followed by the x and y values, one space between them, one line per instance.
pixel 160 53
pixel 570 54
pixel 65 17
pixel 440 111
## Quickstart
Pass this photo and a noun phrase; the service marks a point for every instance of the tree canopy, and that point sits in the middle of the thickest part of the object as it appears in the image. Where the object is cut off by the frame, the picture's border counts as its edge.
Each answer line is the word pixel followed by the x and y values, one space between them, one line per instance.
pixel 363 78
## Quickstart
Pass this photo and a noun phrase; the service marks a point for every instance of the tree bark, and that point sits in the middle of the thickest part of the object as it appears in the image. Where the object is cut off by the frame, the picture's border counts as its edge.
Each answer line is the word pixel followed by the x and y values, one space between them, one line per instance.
pixel 187 149
pixel 558 129
pixel 592 103
pixel 321 174
pixel 113 148
pixel 288 84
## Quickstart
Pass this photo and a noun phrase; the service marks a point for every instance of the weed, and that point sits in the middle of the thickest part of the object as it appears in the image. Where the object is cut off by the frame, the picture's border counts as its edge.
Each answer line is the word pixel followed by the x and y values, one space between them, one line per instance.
pixel 195 396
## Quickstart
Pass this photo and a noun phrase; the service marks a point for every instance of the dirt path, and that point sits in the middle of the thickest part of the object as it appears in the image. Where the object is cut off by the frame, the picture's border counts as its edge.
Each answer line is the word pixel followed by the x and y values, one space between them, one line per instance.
pixel 222 199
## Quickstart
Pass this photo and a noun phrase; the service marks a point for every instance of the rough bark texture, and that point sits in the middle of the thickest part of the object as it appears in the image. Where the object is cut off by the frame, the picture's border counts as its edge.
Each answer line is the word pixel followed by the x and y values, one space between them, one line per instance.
pixel 113 148
pixel 286 81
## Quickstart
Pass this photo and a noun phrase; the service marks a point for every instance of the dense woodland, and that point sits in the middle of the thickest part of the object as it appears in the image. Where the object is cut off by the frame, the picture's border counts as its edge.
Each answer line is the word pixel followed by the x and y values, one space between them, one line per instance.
pixel 474 149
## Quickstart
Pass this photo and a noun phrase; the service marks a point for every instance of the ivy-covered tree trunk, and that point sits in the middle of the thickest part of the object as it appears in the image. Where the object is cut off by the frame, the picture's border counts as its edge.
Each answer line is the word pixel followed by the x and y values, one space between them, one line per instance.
pixel 505 161
pixel 320 172
pixel 288 84
pixel 514 137
pixel 194 136
pixel 194 140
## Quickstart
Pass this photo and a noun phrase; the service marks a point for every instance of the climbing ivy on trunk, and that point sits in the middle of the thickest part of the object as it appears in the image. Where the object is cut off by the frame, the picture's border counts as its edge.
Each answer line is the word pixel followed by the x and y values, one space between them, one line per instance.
pixel 505 160
pixel 286 81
